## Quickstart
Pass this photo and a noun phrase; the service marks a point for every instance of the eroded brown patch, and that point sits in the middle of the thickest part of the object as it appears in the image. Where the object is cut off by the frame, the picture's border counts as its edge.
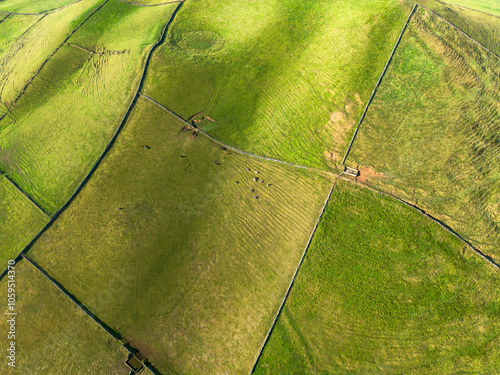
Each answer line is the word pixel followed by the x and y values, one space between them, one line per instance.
pixel 339 126
pixel 367 173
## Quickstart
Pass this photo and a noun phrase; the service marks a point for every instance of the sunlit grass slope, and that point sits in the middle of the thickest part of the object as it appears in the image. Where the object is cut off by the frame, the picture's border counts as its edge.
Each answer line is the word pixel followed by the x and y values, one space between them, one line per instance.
pixel 489 6
pixel 167 248
pixel 53 336
pixel 62 124
pixel 383 290
pixel 12 26
pixel 29 51
pixel 432 133
pixel 480 26
pixel 20 221
pixel 286 79
pixel 32 6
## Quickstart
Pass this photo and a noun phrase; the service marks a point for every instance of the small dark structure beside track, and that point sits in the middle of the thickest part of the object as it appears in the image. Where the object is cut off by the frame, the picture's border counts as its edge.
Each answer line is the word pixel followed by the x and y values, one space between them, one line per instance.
pixel 134 364
pixel 351 172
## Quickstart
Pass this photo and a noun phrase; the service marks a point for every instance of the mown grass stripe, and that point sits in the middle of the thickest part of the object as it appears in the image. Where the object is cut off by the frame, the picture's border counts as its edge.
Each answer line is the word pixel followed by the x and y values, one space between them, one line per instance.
pixel 292 281
pixel 379 82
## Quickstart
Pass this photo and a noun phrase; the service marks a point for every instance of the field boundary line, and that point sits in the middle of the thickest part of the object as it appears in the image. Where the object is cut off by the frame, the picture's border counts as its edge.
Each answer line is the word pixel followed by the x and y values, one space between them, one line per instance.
pixel 282 305
pixel 52 54
pixel 45 12
pixel 475 10
pixel 33 202
pixel 486 257
pixel 379 82
pixel 319 171
pixel 459 30
pixel 103 154
pixel 112 332
pixel 152 5
pixel 75 300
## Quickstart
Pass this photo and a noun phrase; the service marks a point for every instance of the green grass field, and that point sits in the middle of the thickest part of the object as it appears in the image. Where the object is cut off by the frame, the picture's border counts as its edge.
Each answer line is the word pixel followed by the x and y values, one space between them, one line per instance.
pixel 383 290
pixel 20 221
pixel 52 335
pixel 32 6
pixel 431 134
pixel 62 124
pixel 174 254
pixel 35 46
pixel 482 27
pixel 285 79
pixel 489 6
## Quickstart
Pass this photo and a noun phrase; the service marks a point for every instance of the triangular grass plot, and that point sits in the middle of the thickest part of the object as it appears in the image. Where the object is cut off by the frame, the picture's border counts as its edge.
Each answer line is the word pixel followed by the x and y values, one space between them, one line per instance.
pixel 385 290
pixel 64 121
pixel 52 335
pixel 431 135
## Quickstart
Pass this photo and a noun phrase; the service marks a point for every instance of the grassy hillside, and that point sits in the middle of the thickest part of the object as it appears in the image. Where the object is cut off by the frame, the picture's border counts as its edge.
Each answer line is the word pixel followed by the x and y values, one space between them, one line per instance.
pixel 20 221
pixel 35 46
pixel 482 27
pixel 32 6
pixel 286 79
pixel 489 6
pixel 431 135
pixel 67 116
pixel 12 26
pixel 383 290
pixel 169 250
pixel 53 336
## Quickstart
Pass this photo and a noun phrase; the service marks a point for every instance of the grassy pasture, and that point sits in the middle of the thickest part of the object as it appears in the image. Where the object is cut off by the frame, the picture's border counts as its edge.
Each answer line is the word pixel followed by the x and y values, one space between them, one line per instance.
pixel 174 254
pixel 431 135
pixel 383 290
pixel 489 6
pixel 52 335
pixel 32 6
pixel 285 79
pixel 63 122
pixel 482 27
pixel 35 46
pixel 20 221
pixel 11 28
